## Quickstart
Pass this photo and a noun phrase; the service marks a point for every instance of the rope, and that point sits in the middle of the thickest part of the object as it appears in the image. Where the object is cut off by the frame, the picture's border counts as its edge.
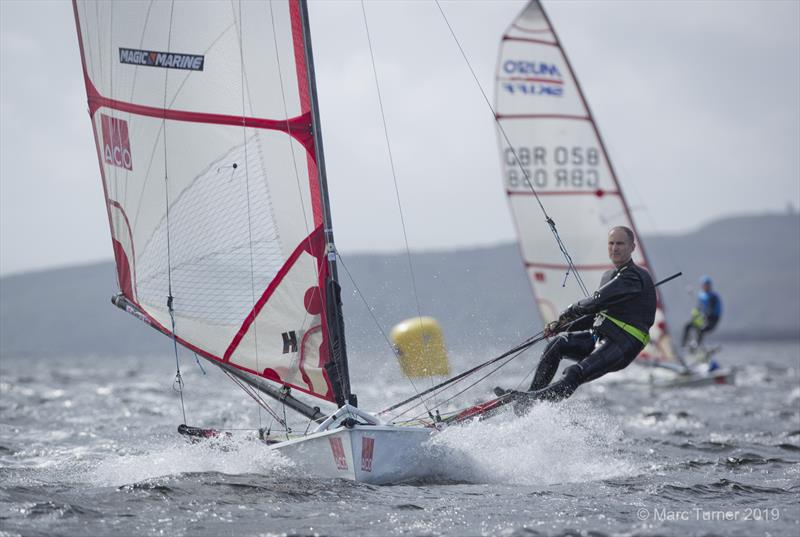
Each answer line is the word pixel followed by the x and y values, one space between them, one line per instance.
pixel 507 361
pixel 394 177
pixel 177 384
pixel 257 397
pixel 518 348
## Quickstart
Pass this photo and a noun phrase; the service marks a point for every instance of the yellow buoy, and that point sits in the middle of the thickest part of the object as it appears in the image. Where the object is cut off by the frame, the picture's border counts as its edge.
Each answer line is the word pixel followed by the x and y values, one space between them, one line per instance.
pixel 420 347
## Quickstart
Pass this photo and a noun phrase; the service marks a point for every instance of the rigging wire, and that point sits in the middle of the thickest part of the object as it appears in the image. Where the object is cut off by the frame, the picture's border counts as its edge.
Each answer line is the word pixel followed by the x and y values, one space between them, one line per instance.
pixel 550 222
pixel 257 397
pixel 394 176
pixel 516 349
pixel 372 315
pixel 366 304
pixel 178 382
pixel 504 363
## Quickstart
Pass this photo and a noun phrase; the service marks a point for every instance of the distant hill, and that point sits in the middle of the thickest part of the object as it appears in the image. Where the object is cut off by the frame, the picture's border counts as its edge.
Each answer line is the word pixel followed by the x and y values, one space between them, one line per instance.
pixel 480 296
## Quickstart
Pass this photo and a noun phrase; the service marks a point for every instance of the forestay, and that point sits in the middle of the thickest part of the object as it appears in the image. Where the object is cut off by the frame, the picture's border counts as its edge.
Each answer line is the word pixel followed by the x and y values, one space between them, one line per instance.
pixel 203 123
pixel 542 110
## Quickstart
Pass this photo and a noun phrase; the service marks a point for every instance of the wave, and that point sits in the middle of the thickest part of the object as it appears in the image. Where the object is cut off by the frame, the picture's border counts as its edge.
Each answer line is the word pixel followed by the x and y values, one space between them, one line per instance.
pixel 567 442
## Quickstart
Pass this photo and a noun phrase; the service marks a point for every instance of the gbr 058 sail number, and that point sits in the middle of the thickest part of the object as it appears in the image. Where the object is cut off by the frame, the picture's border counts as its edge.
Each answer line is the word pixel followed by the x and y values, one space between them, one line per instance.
pixel 553 167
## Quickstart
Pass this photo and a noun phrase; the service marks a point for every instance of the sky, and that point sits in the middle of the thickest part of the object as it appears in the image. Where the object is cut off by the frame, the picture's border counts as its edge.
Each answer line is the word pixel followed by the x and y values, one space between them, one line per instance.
pixel 698 103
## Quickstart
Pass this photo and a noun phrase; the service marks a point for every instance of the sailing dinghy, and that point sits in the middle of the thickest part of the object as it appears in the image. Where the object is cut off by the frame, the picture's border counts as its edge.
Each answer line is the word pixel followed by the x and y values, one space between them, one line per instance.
pixel 552 152
pixel 207 132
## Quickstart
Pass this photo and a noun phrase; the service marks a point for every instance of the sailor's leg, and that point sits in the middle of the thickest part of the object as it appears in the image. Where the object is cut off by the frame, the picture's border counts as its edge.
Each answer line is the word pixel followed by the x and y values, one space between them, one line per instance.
pixel 607 356
pixel 686 329
pixel 573 345
pixel 711 322
pixel 560 389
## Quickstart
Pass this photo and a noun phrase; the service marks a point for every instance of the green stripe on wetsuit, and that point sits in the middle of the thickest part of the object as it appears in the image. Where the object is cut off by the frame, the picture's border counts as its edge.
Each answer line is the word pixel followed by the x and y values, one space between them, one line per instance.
pixel 642 337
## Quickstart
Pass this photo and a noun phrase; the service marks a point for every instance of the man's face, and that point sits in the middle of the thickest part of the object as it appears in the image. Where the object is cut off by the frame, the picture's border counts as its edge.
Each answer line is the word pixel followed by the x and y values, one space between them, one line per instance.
pixel 620 247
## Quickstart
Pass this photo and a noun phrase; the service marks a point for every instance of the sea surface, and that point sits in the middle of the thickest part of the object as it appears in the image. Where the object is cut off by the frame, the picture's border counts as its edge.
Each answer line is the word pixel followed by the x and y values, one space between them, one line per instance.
pixel 88 446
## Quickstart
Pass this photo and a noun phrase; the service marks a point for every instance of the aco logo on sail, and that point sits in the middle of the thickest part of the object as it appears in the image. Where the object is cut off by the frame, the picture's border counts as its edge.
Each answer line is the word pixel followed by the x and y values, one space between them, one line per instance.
pixel 116 144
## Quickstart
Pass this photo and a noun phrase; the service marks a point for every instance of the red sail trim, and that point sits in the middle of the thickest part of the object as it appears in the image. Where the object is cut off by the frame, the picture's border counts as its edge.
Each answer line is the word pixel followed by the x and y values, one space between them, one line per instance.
pixel 130 263
pixel 123 269
pixel 529 30
pixel 529 40
pixel 530 79
pixel 542 116
pixel 302 363
pixel 142 314
pixel 306 245
pixel 558 266
pixel 597 193
pixel 303 88
pixel 297 127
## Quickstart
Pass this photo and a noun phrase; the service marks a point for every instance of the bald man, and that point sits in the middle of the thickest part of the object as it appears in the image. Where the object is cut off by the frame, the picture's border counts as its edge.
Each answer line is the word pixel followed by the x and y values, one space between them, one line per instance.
pixel 624 307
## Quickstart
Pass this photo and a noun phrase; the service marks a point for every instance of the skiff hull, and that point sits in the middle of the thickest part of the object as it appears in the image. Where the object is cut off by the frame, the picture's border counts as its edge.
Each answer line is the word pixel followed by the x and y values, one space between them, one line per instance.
pixel 374 454
pixel 697 379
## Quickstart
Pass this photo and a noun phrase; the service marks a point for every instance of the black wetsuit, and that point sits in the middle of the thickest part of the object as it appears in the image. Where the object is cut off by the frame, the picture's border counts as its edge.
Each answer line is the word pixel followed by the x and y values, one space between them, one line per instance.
pixel 626 294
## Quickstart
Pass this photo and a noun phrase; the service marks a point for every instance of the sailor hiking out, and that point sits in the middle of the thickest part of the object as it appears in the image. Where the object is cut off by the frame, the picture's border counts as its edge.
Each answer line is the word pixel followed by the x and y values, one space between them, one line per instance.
pixel 624 309
pixel 705 315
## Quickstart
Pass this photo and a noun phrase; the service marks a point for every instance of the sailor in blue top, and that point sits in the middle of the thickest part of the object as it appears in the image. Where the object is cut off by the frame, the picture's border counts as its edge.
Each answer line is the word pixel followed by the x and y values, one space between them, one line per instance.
pixel 706 315
pixel 624 309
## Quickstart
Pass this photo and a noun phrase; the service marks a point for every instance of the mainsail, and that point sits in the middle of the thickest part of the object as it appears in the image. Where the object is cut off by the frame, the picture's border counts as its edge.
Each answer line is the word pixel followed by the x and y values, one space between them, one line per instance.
pixel 204 117
pixel 554 138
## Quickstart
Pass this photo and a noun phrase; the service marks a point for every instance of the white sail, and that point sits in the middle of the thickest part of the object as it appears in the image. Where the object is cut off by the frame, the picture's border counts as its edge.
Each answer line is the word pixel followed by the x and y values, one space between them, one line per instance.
pixel 203 123
pixel 541 109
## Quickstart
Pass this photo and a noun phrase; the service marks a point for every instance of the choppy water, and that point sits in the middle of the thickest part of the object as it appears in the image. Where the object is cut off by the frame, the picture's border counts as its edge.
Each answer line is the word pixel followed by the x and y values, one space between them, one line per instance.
pixel 88 447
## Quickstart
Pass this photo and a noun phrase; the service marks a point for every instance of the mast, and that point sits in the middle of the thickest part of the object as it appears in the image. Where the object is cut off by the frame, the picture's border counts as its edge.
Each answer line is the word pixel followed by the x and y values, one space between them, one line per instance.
pixel 337 367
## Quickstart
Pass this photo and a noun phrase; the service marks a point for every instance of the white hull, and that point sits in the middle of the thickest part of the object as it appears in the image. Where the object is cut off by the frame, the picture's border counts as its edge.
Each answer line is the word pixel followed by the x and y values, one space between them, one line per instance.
pixel 355 445
pixel 696 379
pixel 375 454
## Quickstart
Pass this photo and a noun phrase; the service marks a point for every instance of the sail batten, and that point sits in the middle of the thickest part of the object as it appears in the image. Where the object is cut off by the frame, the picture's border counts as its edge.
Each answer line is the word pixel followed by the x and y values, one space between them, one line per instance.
pixel 541 109
pixel 225 217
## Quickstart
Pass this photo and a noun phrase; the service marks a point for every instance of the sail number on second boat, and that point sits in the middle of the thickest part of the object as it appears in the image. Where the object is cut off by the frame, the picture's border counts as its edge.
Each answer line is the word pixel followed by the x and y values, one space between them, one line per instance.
pixel 555 167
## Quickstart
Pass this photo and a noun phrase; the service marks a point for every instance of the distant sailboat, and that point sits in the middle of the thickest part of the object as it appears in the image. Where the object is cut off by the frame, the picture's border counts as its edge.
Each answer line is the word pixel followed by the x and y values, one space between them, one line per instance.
pixel 554 138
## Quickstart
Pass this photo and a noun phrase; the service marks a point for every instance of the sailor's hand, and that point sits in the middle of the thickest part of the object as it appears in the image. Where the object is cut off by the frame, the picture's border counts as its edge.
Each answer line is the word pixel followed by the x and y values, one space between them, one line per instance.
pixel 552 328
pixel 570 314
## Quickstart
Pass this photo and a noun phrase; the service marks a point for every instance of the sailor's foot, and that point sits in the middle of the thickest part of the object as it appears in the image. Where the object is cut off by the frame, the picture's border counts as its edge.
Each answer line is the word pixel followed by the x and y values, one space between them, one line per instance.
pixel 523 403
pixel 502 392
